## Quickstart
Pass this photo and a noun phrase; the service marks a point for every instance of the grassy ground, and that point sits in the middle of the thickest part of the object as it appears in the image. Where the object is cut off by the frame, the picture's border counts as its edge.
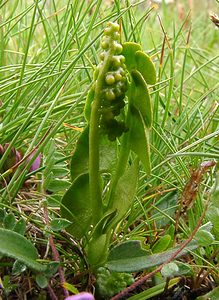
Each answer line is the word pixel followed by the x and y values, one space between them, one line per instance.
pixel 48 53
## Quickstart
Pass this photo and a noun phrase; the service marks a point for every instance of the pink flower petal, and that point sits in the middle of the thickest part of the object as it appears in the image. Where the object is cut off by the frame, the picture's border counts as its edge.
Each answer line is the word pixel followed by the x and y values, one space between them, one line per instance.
pixel 81 296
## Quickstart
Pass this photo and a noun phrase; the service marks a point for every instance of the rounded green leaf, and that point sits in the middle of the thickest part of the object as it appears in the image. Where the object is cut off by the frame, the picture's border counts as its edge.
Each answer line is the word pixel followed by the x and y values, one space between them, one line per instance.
pixel 129 50
pixel 18 247
pixel 20 226
pixel 18 267
pixel 9 221
pixel 213 215
pixel 130 257
pixel 80 158
pixel 97 250
pixel 184 269
pixel 42 281
pixel 79 161
pixel 162 244
pixel 146 67
pixel 76 206
pixel 215 193
pixel 58 185
pixel 169 270
pixel 139 138
pixel 125 192
pixel 204 238
pixel 136 59
pixel 51 269
pixel 58 224
pixel 140 97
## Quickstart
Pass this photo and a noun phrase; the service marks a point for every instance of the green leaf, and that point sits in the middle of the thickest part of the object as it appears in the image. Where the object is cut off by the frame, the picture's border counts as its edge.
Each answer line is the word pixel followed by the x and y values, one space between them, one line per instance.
pixel 51 268
pixel 166 209
pixel 97 250
pixel 71 288
pixel 41 280
pixel 213 215
pixel 20 226
pixel 48 160
pixel 154 291
pixel 129 50
pixel 9 221
pixel 162 244
pixel 58 185
pixel 140 97
pixel 76 206
pixel 108 154
pixel 7 285
pixel 204 238
pixel 59 171
pixel 215 198
pixel 105 222
pixel 123 196
pixel 184 269
pixel 18 267
pixel 80 158
pixel 215 193
pixel 58 224
pixel 139 138
pixel 54 200
pixel 136 59
pixel 206 227
pixel 146 67
pixel 169 270
pixel 18 247
pixel 171 232
pixel 130 257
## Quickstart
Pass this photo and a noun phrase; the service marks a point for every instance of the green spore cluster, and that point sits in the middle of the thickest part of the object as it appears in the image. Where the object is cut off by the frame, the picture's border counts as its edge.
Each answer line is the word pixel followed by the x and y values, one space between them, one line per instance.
pixel 115 83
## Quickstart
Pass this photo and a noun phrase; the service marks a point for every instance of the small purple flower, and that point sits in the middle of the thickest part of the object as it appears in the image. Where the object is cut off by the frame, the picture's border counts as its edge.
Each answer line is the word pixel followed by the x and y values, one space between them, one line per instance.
pixel 18 156
pixel 81 296
pixel 36 164
pixel 14 157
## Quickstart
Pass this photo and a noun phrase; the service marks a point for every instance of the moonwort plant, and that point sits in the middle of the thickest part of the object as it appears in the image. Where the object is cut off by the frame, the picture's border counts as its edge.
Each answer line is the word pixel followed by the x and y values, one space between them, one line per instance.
pixel 105 163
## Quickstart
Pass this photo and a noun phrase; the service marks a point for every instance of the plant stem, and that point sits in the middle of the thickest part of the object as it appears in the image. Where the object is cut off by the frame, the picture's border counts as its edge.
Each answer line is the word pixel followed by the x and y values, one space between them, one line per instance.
pixel 94 176
pixel 51 293
pixel 55 252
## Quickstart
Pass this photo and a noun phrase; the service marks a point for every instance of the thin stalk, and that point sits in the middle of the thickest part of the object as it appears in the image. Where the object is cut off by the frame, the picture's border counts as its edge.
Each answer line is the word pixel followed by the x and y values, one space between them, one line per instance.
pixel 170 91
pixel 183 73
pixel 91 24
pixel 94 176
pixel 2 45
pixel 157 95
pixel 55 252
pixel 17 101
pixel 53 90
pixel 16 182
